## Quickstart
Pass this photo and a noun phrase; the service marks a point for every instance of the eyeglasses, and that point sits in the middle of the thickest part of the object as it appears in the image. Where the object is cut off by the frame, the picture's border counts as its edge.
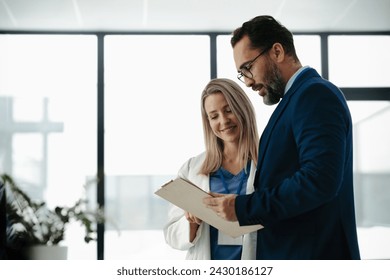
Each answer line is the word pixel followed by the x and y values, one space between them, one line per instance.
pixel 245 71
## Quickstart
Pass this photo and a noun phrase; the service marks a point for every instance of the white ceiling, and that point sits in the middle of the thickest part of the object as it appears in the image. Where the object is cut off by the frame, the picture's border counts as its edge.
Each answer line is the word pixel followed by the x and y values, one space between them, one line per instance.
pixel 191 15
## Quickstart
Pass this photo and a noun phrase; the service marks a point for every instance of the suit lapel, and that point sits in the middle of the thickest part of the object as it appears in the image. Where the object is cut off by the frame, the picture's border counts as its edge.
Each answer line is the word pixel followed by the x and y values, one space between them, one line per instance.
pixel 265 137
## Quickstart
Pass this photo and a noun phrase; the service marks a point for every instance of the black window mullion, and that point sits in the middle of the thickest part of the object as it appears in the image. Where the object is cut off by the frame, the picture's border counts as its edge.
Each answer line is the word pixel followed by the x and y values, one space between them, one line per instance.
pixel 213 56
pixel 100 142
pixel 324 56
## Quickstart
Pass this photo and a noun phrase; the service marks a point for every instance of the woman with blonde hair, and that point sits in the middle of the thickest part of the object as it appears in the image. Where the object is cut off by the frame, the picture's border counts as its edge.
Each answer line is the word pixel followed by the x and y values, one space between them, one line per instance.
pixel 227 166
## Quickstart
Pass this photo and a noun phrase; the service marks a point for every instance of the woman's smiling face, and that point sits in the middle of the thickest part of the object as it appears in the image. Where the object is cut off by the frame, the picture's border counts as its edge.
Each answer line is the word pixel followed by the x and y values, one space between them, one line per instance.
pixel 222 121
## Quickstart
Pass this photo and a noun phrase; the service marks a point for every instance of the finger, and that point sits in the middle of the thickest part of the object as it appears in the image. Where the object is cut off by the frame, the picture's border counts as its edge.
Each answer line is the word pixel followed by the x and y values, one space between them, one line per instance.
pixel 213 194
pixel 209 201
pixel 189 217
pixel 192 219
pixel 197 220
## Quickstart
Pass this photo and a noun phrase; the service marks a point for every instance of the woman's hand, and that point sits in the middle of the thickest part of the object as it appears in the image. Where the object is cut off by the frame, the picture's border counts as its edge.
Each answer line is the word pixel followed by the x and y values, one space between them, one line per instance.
pixel 192 219
pixel 194 225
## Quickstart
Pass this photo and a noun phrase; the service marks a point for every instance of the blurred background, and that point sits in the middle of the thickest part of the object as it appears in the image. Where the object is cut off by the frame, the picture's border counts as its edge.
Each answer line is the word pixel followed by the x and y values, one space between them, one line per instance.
pixel 111 88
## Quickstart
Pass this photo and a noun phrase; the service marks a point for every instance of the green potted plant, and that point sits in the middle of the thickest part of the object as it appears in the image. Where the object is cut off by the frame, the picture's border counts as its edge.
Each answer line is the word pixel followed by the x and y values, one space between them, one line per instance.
pixel 32 223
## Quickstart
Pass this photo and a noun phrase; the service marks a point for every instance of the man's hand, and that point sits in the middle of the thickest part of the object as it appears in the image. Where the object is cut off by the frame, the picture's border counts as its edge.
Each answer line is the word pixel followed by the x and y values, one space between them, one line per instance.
pixel 223 205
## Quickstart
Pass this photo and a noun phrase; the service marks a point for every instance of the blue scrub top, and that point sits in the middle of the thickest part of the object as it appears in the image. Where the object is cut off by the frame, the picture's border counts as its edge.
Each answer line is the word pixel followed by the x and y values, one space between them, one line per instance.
pixel 219 181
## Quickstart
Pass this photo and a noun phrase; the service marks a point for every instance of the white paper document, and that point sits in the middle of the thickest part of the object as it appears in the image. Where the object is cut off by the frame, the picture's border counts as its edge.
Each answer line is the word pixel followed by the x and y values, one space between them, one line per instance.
pixel 189 197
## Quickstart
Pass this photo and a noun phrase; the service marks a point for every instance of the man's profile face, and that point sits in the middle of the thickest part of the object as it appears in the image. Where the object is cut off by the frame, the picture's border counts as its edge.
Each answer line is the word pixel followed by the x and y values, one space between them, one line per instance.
pixel 266 78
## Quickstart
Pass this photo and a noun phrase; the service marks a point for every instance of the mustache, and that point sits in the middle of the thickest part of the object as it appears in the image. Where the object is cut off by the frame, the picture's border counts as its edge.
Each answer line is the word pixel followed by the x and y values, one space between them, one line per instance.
pixel 257 87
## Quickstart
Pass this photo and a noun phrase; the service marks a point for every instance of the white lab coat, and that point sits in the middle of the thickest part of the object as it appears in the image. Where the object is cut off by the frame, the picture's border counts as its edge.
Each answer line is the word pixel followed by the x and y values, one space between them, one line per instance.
pixel 177 230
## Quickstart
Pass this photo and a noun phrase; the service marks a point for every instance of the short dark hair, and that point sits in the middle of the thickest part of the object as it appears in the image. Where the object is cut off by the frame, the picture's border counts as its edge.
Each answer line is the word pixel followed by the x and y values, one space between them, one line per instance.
pixel 263 32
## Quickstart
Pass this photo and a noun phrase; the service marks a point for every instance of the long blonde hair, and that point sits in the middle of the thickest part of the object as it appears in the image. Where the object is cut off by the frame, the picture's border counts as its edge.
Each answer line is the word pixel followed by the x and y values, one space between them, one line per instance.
pixel 243 109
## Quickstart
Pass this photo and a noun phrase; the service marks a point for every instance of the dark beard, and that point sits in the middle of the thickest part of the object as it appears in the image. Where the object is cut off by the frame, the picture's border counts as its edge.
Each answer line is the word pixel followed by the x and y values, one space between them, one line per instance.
pixel 275 85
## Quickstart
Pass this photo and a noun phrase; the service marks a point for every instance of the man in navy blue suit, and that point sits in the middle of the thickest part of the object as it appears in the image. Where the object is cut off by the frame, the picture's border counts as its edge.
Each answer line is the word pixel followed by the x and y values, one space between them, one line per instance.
pixel 304 181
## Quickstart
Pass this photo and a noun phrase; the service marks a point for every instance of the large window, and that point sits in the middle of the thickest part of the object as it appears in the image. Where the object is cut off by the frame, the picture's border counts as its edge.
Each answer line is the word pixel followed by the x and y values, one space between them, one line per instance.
pixel 153 124
pixel 362 61
pixel 48 120
pixel 349 68
pixel 359 61
pixel 372 176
